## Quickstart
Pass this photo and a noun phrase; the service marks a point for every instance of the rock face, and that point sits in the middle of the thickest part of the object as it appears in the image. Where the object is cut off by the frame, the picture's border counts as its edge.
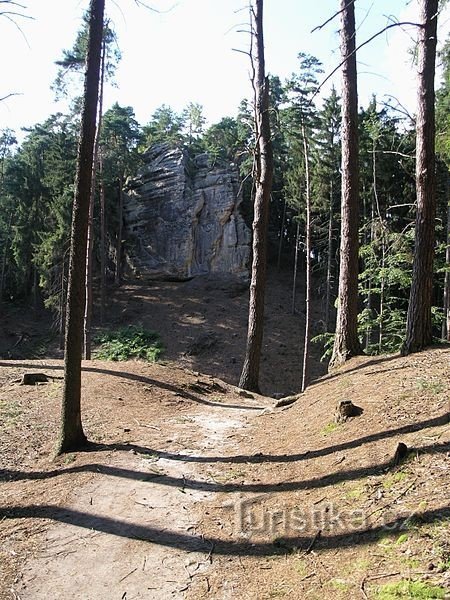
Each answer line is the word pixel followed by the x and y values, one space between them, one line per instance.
pixel 182 218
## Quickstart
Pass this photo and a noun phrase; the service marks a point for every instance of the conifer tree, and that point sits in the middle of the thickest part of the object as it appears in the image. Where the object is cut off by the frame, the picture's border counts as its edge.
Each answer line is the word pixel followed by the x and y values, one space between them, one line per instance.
pixel 419 333
pixel 346 342
pixel 72 436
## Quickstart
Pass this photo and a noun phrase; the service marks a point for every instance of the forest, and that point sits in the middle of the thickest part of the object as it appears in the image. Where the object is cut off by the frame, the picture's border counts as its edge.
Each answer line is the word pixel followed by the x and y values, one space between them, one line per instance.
pixel 37 179
pixel 349 206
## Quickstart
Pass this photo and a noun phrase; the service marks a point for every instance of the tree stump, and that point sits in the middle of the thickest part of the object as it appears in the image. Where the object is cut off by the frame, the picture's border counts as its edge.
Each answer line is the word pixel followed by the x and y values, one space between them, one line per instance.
pixel 33 378
pixel 346 409
pixel 401 453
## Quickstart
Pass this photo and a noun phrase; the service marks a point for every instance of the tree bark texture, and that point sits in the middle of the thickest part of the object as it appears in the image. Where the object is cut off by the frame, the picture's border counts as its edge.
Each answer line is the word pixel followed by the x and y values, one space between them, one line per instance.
pixel 294 278
pixel 418 323
pixel 102 242
pixel 305 371
pixel 118 273
pixel 263 186
pixel 346 343
pixel 329 258
pixel 72 435
pixel 90 238
pixel 446 320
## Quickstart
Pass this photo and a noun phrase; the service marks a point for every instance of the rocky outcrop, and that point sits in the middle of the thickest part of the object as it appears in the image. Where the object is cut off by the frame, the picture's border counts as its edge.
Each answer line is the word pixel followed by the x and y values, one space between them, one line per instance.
pixel 182 218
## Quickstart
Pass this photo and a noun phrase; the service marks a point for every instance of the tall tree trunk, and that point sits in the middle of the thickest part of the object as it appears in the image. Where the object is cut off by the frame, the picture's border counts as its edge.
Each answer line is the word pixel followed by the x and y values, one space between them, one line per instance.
pixel 418 322
pixel 4 257
pixel 118 274
pixel 62 301
pixel 346 343
pixel 294 278
pixel 374 199
pixel 72 436
pixel 382 293
pixel 305 373
pixel 35 288
pixel 90 238
pixel 446 319
pixel 330 252
pixel 88 275
pixel 264 172
pixel 102 242
pixel 280 242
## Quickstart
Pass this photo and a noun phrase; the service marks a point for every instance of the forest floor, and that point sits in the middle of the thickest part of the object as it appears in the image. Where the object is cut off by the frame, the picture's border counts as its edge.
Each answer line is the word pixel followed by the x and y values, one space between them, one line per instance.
pixel 193 489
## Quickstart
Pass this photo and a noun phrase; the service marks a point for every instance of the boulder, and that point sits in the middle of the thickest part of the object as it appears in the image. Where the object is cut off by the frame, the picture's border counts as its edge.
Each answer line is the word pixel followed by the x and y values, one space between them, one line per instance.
pixel 182 218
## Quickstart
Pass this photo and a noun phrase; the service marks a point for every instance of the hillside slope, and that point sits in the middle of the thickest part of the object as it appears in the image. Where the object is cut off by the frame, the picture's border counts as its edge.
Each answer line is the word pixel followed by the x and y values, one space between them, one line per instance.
pixel 196 490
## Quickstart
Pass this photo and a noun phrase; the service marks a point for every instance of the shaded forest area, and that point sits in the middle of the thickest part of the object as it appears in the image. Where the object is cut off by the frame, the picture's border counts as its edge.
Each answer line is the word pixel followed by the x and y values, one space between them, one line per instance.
pixel 37 187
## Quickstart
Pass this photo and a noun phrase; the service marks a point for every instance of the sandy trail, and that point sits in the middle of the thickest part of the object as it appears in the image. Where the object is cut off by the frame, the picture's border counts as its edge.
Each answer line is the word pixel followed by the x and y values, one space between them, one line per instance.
pixel 131 532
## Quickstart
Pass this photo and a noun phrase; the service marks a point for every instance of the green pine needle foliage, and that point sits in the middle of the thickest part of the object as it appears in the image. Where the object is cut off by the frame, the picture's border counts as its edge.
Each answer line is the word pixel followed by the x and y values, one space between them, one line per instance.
pixel 129 342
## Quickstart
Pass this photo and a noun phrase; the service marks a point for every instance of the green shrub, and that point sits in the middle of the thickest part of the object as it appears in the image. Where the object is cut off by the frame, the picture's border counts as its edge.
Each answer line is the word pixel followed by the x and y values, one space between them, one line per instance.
pixel 129 342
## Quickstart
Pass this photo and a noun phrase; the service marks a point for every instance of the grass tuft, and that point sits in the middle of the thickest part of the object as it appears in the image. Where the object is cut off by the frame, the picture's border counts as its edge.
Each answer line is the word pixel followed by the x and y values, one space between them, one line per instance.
pixel 415 590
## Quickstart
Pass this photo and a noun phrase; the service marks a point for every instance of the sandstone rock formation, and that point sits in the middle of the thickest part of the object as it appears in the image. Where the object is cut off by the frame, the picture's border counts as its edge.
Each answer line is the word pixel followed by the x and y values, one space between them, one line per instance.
pixel 182 218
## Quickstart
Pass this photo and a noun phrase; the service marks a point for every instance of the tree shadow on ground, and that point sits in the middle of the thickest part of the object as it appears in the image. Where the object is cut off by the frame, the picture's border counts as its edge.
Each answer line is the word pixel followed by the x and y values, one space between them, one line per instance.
pixel 179 391
pixel 185 542
pixel 270 458
pixel 185 483
pixel 370 363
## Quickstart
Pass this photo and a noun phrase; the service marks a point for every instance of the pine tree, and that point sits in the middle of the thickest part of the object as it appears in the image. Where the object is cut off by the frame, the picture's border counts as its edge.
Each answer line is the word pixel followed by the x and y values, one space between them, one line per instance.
pixel 346 342
pixel 72 436
pixel 263 174
pixel 419 326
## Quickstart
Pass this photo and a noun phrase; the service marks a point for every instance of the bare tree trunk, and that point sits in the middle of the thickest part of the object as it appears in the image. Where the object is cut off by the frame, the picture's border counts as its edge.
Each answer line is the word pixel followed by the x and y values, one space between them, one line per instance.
pixel 346 343
pixel 263 185
pixel 446 319
pixel 35 288
pixel 72 436
pixel 418 323
pixel 62 303
pixel 382 288
pixel 375 208
pixel 294 279
pixel 102 242
pixel 88 277
pixel 305 374
pixel 118 274
pixel 5 254
pixel 330 251
pixel 90 238
pixel 280 243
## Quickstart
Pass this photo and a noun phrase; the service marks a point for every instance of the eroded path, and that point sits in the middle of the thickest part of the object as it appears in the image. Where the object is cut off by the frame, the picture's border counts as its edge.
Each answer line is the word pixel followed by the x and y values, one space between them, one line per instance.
pixel 131 530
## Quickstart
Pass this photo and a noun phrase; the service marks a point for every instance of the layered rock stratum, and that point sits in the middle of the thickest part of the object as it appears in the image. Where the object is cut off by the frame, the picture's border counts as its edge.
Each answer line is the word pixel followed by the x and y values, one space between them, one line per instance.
pixel 182 218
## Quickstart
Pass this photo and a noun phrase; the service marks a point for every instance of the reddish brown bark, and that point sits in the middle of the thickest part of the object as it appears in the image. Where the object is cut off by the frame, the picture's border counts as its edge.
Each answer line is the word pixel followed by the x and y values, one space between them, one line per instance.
pixel 418 324
pixel 263 185
pixel 72 436
pixel 346 343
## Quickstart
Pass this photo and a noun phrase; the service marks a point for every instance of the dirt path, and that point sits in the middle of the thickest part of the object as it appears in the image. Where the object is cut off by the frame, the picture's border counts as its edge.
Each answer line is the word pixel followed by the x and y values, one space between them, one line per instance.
pixel 110 540
pixel 194 490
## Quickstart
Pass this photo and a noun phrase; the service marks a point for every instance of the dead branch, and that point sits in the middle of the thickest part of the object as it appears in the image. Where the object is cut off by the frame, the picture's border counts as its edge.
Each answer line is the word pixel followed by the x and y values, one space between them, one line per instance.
pixel 328 77
pixel 336 14
pixel 161 12
pixel 402 110
pixel 11 94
